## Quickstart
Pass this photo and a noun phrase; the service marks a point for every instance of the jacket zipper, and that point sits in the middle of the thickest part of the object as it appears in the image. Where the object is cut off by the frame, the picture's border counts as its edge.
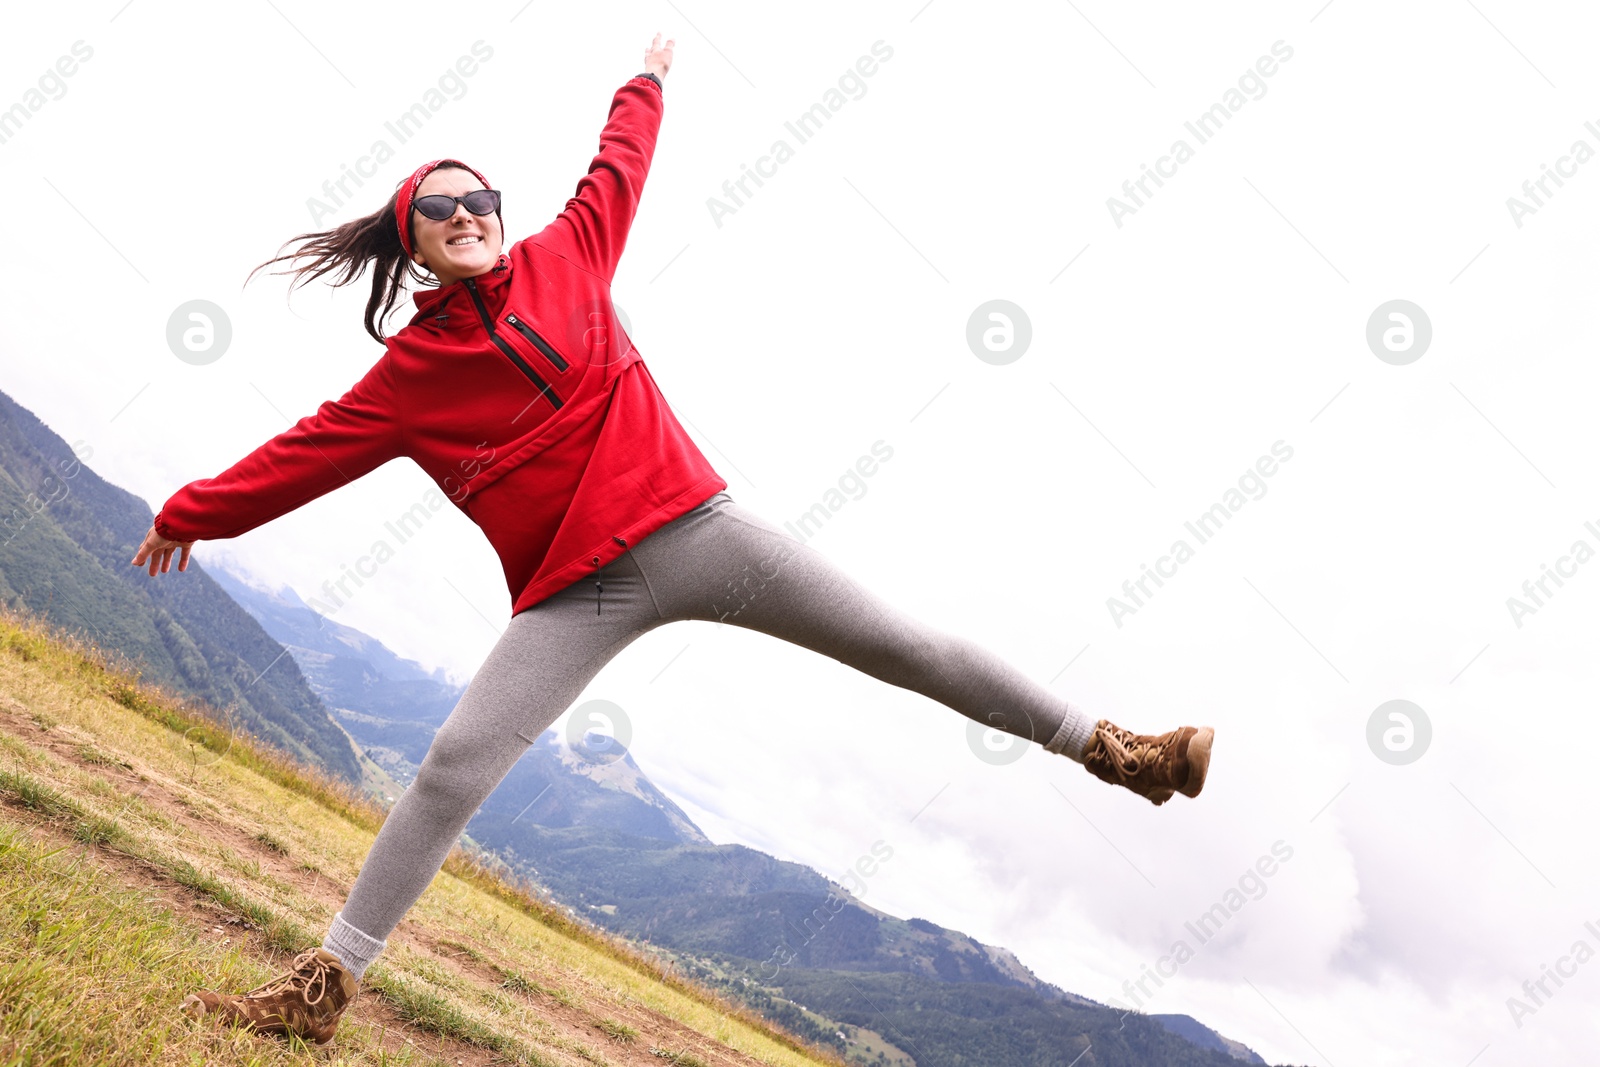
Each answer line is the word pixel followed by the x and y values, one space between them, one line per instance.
pixel 538 342
pixel 511 353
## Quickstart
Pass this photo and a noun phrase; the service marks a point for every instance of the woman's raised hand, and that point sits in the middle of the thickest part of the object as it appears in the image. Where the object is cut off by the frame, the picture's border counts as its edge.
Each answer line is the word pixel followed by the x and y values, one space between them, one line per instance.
pixel 658 57
pixel 158 550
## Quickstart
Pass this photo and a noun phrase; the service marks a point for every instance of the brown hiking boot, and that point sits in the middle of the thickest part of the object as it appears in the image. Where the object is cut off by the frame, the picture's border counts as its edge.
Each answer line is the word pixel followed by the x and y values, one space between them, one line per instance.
pixel 1151 766
pixel 306 1000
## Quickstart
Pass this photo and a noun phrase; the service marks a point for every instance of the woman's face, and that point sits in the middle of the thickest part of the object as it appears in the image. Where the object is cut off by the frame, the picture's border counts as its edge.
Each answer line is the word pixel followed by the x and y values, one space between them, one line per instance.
pixel 461 246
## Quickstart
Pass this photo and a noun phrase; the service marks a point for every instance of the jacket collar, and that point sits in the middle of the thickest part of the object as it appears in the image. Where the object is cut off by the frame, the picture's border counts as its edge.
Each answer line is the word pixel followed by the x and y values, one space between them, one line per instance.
pixel 453 302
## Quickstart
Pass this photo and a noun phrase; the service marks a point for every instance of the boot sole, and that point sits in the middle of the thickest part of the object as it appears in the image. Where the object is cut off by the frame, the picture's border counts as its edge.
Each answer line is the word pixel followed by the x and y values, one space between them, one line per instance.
pixel 1199 757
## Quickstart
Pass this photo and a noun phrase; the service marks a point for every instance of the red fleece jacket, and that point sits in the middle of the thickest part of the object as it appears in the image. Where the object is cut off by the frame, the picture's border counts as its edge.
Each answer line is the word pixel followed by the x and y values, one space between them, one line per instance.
pixel 517 391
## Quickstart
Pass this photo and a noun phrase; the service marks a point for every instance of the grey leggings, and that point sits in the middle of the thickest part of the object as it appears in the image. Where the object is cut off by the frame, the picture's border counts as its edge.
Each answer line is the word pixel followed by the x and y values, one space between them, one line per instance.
pixel 717 562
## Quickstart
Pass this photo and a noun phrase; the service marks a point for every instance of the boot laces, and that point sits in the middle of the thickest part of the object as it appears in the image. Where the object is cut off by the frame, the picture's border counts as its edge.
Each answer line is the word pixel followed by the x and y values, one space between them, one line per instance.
pixel 1130 751
pixel 307 972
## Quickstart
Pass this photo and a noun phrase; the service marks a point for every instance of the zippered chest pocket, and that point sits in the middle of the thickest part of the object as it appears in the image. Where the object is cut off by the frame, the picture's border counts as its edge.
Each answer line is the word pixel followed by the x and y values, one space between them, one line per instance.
pixel 544 347
pixel 511 353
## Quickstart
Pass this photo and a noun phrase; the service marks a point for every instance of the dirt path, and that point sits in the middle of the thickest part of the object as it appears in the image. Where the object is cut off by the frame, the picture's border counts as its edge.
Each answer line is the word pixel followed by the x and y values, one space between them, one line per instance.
pixel 211 922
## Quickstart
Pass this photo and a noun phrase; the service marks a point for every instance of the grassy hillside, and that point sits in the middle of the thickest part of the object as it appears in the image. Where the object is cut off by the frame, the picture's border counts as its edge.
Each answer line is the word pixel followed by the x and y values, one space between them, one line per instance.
pixel 144 852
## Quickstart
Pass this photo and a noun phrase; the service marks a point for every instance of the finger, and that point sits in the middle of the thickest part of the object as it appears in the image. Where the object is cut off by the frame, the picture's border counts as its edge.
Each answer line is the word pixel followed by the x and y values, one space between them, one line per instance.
pixel 183 562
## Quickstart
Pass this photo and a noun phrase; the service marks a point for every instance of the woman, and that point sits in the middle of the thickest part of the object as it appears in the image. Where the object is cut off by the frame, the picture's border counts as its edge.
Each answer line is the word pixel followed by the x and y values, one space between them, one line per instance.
pixel 515 389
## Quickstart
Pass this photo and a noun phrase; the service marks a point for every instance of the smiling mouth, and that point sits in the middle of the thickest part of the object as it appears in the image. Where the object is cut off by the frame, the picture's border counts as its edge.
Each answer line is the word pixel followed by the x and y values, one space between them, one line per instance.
pixel 459 242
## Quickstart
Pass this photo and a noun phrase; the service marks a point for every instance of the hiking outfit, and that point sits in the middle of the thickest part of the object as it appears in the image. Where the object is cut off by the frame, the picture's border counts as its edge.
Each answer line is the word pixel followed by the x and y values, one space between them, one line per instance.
pixel 519 393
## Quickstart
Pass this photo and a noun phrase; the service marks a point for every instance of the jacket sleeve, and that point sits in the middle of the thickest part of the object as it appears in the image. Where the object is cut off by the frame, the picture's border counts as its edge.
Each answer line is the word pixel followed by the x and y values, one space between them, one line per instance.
pixel 593 228
pixel 343 440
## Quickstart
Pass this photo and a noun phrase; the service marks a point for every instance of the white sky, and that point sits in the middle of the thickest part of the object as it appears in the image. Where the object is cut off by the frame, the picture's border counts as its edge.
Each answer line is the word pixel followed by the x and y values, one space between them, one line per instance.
pixel 1228 313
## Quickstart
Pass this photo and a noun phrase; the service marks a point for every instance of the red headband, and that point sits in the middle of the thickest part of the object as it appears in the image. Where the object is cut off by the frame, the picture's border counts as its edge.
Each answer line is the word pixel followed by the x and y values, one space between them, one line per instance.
pixel 408 191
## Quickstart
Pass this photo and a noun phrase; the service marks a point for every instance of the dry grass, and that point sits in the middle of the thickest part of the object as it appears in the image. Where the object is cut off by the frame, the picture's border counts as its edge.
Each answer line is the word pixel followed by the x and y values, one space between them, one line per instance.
pixel 145 851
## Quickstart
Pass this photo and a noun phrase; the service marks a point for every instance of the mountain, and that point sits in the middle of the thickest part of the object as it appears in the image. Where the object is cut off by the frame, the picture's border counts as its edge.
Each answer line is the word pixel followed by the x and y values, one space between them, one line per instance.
pixel 556 785
pixel 392 707
pixel 356 670
pixel 797 946
pixel 1197 1033
pixel 66 536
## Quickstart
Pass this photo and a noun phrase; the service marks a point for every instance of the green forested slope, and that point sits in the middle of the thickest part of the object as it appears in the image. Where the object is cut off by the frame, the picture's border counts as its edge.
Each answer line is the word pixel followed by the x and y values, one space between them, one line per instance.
pixel 66 536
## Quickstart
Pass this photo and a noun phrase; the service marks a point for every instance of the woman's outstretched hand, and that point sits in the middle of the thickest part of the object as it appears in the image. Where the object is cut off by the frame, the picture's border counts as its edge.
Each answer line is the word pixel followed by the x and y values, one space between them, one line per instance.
pixel 658 57
pixel 158 550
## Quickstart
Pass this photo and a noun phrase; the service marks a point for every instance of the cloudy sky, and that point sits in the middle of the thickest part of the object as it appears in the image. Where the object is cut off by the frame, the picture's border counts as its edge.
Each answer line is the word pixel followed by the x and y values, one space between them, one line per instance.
pixel 1354 271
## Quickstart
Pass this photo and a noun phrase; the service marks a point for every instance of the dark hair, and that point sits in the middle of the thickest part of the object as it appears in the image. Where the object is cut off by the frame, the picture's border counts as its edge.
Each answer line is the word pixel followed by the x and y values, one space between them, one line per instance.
pixel 372 240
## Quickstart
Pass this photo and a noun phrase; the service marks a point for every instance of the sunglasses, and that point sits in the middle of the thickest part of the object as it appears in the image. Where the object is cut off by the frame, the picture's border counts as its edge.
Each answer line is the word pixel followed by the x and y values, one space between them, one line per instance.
pixel 439 207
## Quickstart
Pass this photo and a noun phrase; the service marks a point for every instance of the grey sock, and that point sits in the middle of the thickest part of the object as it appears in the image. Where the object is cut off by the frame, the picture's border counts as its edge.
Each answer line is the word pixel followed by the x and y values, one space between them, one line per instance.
pixel 353 947
pixel 1076 729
